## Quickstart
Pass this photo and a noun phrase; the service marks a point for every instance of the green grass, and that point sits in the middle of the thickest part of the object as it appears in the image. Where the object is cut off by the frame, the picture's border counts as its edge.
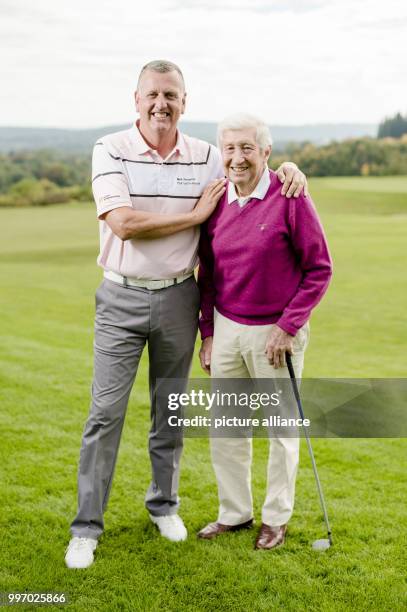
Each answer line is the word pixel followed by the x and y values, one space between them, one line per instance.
pixel 48 277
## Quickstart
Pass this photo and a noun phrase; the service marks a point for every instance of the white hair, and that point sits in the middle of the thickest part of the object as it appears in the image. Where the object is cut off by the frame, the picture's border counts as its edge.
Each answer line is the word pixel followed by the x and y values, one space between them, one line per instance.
pixel 241 121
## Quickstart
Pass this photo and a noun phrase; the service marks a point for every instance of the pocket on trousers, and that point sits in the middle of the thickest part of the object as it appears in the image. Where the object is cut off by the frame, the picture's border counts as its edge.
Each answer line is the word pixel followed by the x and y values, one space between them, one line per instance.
pixel 302 338
pixel 193 298
pixel 97 293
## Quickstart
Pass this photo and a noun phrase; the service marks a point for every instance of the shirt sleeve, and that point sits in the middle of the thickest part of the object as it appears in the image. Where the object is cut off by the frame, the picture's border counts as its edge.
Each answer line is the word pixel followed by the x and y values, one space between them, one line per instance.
pixel 109 182
pixel 310 245
pixel 206 284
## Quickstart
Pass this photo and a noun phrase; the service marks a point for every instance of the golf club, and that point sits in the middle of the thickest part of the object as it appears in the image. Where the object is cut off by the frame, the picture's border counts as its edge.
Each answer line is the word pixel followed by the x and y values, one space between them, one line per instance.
pixel 324 543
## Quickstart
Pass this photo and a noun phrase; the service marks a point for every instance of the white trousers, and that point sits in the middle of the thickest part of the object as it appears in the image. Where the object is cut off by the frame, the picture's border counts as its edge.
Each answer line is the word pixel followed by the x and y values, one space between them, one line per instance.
pixel 238 352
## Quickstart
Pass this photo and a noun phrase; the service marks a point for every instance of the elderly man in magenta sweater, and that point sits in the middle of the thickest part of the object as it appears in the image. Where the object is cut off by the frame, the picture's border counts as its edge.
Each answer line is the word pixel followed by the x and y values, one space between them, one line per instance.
pixel 264 265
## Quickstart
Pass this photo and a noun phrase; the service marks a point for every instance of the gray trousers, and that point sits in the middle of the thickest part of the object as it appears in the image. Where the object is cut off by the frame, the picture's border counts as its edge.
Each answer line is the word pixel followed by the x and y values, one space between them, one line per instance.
pixel 126 319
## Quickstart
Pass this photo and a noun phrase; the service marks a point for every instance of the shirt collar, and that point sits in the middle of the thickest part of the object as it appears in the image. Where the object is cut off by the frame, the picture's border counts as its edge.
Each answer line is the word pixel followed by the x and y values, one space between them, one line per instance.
pixel 142 147
pixel 180 145
pixel 258 192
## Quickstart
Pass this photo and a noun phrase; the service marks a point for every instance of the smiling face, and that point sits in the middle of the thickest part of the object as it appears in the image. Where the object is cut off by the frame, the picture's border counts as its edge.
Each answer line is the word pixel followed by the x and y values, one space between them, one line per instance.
pixel 244 161
pixel 160 100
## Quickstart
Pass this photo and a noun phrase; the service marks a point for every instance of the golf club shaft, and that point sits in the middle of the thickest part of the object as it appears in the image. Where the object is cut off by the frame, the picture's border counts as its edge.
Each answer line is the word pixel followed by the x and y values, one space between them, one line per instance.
pixel 310 451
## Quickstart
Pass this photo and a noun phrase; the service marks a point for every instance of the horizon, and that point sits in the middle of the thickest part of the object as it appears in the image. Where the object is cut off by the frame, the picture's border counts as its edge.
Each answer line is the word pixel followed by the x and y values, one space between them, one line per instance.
pixel 184 121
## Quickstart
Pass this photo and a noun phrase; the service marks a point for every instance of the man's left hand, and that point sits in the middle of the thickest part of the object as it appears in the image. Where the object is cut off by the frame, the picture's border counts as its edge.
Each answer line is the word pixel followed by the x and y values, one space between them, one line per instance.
pixel 278 343
pixel 294 181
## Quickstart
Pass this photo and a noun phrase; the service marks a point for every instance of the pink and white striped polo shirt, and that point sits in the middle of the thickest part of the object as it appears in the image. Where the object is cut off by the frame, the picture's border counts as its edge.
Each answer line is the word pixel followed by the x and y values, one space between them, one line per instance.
pixel 127 172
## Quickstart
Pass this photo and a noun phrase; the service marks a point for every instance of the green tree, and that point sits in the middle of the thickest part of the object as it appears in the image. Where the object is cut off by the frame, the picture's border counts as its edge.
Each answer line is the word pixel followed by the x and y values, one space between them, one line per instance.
pixel 393 127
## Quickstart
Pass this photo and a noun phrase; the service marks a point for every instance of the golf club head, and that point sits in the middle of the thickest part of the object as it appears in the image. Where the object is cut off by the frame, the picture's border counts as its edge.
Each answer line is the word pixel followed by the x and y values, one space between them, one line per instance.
pixel 321 545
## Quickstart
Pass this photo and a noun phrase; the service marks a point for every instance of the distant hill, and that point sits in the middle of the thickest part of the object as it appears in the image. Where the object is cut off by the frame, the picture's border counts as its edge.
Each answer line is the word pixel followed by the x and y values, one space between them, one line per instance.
pixel 81 140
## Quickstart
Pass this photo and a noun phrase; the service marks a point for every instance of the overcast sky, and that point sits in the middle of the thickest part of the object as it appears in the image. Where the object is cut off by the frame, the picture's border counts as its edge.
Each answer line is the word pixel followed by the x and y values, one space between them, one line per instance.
pixel 75 63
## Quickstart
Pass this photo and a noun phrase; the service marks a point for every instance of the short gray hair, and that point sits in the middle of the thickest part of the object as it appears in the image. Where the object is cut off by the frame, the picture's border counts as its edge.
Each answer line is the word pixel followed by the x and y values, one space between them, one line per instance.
pixel 241 121
pixel 161 66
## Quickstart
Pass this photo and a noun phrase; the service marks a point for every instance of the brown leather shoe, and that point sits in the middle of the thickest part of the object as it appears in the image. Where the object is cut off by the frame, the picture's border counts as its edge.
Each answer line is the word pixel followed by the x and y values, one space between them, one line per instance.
pixel 213 530
pixel 270 537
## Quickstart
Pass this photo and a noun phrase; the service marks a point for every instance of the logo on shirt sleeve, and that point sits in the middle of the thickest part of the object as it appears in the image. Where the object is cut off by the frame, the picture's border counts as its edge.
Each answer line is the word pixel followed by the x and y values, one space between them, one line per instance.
pixel 107 197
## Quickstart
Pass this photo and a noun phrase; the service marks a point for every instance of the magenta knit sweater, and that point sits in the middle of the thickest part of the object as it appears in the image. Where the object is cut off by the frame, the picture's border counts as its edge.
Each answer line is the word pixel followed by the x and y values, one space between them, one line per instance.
pixel 267 262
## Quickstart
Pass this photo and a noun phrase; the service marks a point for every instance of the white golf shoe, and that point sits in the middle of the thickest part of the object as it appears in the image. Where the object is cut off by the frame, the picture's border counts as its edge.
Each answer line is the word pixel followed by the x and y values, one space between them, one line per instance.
pixel 171 527
pixel 79 553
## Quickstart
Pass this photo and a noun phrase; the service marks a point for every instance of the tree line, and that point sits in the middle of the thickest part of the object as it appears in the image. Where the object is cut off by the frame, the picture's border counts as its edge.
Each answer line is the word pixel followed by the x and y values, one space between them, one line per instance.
pixel 356 157
pixel 41 177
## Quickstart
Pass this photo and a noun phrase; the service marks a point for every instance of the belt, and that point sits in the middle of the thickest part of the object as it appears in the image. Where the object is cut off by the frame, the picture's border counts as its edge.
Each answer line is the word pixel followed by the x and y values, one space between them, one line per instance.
pixel 145 284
